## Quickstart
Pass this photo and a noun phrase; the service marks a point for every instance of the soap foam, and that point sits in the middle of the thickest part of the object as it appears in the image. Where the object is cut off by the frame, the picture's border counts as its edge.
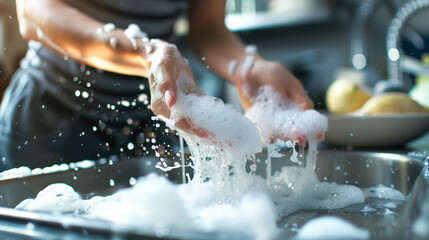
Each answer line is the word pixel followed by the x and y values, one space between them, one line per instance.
pixel 222 196
pixel 329 227
pixel 286 120
pixel 382 191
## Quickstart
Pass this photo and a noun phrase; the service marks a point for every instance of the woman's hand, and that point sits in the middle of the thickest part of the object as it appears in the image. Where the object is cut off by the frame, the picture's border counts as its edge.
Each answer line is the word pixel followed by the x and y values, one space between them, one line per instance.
pixel 169 73
pixel 252 75
pixel 264 72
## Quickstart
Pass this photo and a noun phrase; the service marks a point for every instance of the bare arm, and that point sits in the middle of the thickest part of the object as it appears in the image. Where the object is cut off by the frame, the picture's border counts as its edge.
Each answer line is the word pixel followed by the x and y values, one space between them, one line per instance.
pixel 71 33
pixel 211 39
pixel 219 46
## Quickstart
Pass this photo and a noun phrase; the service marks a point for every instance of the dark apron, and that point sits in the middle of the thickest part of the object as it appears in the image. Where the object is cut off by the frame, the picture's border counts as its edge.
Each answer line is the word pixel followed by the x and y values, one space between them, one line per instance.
pixel 56 110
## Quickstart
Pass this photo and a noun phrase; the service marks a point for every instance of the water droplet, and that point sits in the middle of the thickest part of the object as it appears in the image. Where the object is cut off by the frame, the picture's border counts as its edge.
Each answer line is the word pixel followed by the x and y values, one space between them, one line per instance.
pixel 30 226
pixel 85 94
pixel 132 181
pixel 253 167
pixel 77 93
pixel 142 97
pixel 125 103
pixel 130 146
pixel 113 42
pixel 112 182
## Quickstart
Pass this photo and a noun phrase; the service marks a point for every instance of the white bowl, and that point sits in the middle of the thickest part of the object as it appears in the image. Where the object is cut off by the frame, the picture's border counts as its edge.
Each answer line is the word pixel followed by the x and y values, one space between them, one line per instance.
pixel 375 131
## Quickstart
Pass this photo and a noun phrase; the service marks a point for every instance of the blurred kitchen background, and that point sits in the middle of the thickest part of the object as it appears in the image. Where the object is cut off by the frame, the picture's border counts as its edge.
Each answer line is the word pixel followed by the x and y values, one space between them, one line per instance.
pixel 315 39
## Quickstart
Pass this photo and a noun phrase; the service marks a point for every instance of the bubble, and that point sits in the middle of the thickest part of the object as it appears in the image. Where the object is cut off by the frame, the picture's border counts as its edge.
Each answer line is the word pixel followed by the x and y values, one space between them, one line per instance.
pixel 85 94
pixel 132 181
pixel 109 27
pixel 130 146
pixel 125 103
pixel 142 97
pixel 112 182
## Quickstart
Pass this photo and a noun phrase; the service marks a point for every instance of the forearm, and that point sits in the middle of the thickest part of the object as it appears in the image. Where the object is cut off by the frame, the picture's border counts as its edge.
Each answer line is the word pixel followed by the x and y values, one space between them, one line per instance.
pixel 78 36
pixel 213 42
pixel 221 50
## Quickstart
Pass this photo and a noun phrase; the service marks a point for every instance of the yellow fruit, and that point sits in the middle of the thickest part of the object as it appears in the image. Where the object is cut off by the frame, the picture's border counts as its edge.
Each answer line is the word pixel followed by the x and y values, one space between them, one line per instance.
pixel 391 103
pixel 345 96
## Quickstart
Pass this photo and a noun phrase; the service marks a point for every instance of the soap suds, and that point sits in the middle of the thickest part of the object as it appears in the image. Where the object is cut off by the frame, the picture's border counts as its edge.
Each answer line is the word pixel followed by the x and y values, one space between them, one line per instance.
pixel 329 227
pixel 286 119
pixel 222 196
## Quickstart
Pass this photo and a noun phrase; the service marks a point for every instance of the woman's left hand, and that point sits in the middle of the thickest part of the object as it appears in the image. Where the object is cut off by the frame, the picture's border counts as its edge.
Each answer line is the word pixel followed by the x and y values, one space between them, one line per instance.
pixel 264 72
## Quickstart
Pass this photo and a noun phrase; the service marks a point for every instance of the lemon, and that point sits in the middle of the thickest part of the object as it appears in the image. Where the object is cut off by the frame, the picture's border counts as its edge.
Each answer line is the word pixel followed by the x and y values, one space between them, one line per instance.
pixel 391 103
pixel 345 96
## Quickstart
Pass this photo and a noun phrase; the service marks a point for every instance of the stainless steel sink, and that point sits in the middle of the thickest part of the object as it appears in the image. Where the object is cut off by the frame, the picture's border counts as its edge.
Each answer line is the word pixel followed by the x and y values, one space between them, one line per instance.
pixel 363 169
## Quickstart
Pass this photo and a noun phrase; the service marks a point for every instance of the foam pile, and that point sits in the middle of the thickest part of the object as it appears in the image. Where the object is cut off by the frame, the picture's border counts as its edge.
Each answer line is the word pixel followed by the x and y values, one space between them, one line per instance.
pixel 222 196
pixel 328 227
pixel 283 118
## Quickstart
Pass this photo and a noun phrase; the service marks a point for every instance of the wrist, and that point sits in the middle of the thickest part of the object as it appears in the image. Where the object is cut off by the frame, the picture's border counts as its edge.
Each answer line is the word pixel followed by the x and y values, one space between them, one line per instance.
pixel 246 68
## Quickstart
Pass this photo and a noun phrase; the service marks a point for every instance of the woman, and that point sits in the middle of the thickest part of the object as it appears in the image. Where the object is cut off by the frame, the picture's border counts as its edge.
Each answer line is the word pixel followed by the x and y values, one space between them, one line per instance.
pixel 82 91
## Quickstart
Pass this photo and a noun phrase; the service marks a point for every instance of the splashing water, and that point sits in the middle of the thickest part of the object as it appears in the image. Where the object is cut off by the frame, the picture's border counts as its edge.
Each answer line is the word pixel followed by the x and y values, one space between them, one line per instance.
pixel 222 196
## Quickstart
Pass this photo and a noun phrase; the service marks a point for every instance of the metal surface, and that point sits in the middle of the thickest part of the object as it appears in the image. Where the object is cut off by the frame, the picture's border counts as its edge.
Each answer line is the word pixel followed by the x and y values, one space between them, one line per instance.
pixel 363 169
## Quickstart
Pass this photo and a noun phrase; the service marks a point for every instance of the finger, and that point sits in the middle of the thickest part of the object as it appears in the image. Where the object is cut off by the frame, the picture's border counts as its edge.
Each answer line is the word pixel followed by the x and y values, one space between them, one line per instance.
pixel 159 97
pixel 300 136
pixel 188 126
pixel 320 136
pixel 298 95
pixel 168 88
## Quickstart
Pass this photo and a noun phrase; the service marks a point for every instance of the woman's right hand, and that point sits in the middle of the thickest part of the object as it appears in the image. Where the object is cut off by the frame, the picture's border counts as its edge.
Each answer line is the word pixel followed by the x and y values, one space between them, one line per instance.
pixel 166 67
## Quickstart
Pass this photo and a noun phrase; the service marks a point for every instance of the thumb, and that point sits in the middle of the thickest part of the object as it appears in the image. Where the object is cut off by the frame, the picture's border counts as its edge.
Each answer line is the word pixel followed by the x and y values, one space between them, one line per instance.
pixel 298 95
pixel 167 88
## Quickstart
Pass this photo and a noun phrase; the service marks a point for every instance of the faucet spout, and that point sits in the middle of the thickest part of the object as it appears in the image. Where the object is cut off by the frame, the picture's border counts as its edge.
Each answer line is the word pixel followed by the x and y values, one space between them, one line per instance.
pixel 394 51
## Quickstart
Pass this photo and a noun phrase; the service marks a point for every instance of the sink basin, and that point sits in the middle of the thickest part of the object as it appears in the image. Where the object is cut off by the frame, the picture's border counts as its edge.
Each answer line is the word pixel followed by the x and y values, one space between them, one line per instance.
pixel 362 169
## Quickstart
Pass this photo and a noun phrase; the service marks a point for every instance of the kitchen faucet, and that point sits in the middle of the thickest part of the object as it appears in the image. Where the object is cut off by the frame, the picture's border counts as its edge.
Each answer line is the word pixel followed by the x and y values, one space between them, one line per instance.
pixel 395 81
